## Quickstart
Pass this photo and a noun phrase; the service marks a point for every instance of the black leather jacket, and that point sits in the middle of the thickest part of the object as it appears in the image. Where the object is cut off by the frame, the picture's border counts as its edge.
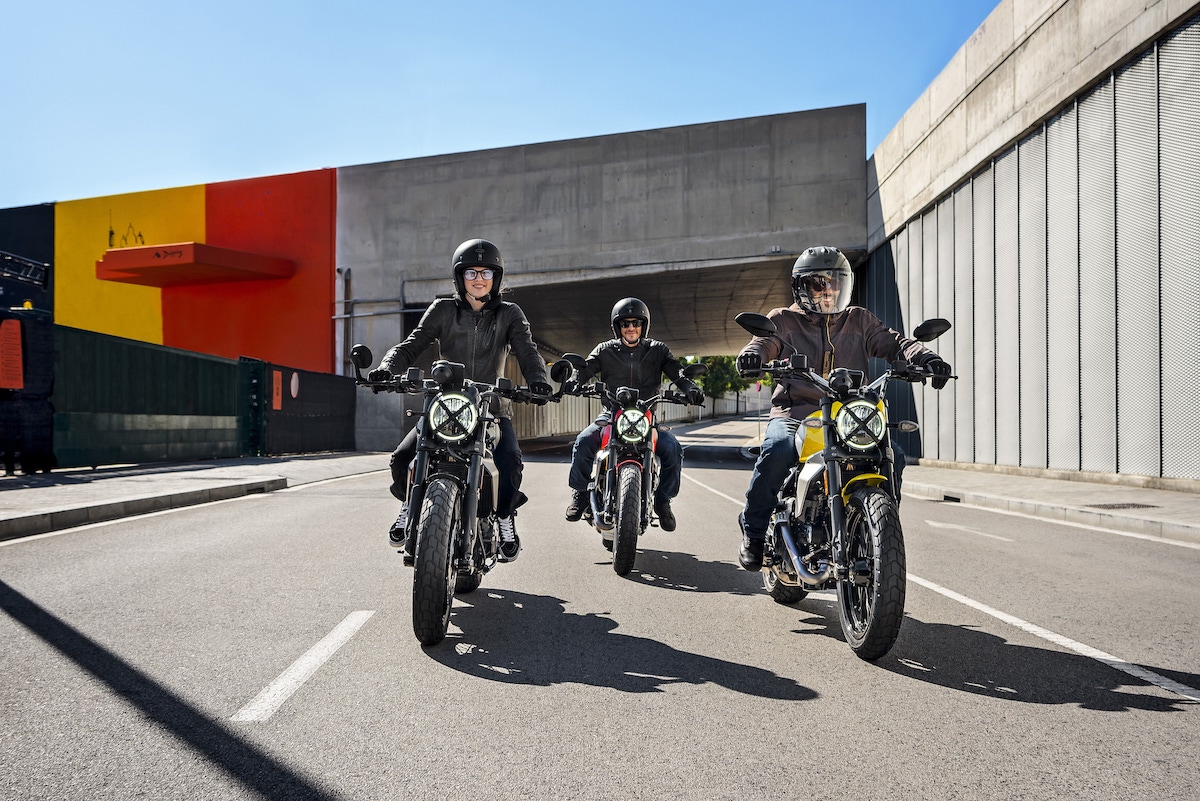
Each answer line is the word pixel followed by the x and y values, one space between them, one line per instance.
pixel 641 366
pixel 480 340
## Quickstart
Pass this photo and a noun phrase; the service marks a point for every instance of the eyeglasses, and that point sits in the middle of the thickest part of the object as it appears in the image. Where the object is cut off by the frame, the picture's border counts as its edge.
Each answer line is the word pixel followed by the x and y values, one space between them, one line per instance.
pixel 485 274
pixel 821 283
pixel 631 323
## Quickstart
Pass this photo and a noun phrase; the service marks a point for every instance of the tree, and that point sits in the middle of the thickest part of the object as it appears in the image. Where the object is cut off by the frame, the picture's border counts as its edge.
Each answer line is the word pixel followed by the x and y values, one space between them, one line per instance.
pixel 722 376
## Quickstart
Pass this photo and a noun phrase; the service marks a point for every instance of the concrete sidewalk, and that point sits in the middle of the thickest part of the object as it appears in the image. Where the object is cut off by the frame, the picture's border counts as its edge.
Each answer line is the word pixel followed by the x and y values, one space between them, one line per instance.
pixel 67 498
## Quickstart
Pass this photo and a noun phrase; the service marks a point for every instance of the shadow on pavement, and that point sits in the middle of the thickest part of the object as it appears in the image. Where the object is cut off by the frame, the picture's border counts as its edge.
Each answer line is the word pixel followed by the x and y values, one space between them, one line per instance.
pixel 519 638
pixel 965 659
pixel 251 767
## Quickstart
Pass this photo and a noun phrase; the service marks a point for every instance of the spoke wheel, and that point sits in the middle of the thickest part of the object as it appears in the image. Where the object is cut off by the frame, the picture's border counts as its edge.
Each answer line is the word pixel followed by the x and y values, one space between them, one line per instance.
pixel 871 597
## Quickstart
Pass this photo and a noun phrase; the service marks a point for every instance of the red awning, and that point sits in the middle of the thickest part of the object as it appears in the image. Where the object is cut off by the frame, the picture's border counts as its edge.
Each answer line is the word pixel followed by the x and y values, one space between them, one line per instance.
pixel 187 263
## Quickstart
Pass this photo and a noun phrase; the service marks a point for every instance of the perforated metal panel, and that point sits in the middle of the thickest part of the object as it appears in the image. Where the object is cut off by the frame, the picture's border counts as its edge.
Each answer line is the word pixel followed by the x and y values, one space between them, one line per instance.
pixel 1008 336
pixel 983 200
pixel 1137 290
pixel 944 398
pixel 1179 69
pixel 1062 282
pixel 963 318
pixel 1097 281
pixel 1031 211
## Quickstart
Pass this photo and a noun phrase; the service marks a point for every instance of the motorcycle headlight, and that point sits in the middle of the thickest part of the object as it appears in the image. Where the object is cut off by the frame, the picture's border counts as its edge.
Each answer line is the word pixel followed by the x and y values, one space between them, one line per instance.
pixel 860 425
pixel 632 426
pixel 453 417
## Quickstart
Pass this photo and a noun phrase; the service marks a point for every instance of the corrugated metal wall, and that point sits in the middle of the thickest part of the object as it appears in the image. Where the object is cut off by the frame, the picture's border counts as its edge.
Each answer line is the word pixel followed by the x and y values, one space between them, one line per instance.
pixel 1070 266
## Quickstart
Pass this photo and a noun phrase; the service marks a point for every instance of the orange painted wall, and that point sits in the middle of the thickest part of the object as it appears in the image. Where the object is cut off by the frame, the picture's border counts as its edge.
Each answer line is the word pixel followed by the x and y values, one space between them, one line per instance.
pixel 286 321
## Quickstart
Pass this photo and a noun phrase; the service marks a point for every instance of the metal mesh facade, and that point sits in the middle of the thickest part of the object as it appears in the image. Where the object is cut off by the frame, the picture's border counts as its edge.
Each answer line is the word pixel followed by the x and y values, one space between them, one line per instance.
pixel 1070 267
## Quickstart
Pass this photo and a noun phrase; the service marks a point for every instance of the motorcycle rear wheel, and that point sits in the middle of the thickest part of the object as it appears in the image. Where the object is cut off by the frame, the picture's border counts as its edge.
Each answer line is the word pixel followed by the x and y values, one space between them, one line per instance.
pixel 872 608
pixel 434 576
pixel 629 518
pixel 780 592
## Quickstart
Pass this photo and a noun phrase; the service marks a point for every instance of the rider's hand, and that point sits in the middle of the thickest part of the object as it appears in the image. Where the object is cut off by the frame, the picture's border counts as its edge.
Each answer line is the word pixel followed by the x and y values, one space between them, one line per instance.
pixel 939 367
pixel 695 396
pixel 749 365
pixel 541 392
pixel 379 375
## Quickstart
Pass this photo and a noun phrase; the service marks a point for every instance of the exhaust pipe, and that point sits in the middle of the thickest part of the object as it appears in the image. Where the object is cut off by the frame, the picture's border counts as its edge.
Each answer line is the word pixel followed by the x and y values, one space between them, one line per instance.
pixel 806 576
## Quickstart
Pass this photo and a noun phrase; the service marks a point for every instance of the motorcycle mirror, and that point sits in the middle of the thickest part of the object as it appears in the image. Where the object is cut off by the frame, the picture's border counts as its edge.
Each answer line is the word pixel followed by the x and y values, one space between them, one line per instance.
pixel 757 324
pixel 931 329
pixel 575 359
pixel 361 357
pixel 560 371
pixel 695 370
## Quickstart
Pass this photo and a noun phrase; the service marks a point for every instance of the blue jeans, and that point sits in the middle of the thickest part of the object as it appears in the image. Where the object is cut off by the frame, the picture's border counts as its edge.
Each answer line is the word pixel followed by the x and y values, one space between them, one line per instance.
pixel 507 456
pixel 777 456
pixel 587 443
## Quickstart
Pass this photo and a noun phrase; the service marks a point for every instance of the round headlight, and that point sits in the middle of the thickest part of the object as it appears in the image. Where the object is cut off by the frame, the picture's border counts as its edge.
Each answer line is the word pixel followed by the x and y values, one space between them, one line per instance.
pixel 453 417
pixel 860 424
pixel 632 426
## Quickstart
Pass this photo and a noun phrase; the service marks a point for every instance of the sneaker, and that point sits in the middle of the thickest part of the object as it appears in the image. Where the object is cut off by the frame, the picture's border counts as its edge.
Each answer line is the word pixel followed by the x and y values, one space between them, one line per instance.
pixel 396 532
pixel 666 518
pixel 751 555
pixel 579 501
pixel 510 543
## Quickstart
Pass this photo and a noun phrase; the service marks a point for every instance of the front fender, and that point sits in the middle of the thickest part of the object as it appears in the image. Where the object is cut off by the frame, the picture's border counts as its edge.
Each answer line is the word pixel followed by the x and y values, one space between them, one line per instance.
pixel 871 479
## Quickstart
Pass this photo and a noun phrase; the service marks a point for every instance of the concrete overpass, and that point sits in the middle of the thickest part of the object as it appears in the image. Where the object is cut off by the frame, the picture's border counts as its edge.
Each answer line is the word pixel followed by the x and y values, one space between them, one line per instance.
pixel 699 221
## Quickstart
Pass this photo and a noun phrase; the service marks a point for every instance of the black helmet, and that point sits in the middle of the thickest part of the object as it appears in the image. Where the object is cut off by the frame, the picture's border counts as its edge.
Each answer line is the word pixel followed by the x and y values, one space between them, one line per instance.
pixel 477 253
pixel 630 307
pixel 819 268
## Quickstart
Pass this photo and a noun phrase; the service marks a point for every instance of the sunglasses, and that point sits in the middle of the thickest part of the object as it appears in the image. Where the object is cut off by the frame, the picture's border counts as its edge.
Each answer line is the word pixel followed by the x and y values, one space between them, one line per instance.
pixel 471 275
pixel 631 323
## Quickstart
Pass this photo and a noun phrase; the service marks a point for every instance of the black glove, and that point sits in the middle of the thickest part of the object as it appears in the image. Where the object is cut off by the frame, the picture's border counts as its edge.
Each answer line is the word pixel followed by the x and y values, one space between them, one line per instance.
pixel 379 375
pixel 749 365
pixel 541 392
pixel 939 367
pixel 695 396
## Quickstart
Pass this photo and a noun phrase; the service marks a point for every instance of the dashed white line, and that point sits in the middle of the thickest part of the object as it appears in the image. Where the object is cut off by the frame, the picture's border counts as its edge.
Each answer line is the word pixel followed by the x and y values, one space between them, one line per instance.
pixel 936 524
pixel 277 692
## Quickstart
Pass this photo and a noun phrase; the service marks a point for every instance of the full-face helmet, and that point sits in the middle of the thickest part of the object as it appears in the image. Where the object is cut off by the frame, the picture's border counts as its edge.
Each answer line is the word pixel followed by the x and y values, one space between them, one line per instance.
pixel 822 281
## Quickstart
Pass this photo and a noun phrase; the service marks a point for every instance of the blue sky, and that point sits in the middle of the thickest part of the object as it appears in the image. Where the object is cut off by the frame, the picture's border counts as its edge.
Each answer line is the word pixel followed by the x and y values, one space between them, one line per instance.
pixel 103 98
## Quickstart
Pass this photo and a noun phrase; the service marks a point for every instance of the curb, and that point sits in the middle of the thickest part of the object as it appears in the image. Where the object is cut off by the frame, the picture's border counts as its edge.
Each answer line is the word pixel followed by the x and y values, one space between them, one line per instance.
pixel 1088 517
pixel 45 522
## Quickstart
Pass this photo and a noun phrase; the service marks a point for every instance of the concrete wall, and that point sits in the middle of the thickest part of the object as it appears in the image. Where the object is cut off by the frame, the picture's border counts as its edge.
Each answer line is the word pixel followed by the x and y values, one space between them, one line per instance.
pixel 1028 59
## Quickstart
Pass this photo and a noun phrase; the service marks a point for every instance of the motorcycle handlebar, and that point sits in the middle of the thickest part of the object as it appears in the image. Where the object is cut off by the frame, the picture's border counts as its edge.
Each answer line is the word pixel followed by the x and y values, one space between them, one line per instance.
pixel 518 394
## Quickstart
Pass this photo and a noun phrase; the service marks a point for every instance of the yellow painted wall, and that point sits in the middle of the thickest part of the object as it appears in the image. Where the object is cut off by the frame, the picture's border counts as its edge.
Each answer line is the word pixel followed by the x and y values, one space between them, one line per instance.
pixel 85 229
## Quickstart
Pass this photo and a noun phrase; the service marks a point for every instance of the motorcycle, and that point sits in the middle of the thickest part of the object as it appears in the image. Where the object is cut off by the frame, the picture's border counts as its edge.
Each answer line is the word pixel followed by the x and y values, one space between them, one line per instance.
pixel 625 470
pixel 453 484
pixel 837 522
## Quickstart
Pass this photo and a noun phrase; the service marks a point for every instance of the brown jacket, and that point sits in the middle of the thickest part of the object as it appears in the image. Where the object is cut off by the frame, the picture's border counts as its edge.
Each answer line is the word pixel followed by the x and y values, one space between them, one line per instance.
pixel 848 339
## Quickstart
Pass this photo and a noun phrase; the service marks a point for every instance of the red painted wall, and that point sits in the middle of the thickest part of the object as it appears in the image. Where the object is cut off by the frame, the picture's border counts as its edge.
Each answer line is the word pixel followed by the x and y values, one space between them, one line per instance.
pixel 286 321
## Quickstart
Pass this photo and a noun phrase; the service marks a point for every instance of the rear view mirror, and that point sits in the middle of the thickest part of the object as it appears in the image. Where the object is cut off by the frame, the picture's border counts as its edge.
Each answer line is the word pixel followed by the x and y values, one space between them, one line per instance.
pixel 695 370
pixel 757 324
pixel 361 357
pixel 931 329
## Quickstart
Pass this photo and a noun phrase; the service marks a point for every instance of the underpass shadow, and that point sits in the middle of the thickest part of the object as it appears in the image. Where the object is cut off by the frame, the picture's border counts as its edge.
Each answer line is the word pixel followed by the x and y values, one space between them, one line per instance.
pixel 966 659
pixel 519 638
pixel 250 766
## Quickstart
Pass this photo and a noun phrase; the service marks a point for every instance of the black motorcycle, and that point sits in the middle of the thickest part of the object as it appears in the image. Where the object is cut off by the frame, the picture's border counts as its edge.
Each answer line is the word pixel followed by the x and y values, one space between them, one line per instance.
pixel 625 471
pixel 453 484
pixel 837 522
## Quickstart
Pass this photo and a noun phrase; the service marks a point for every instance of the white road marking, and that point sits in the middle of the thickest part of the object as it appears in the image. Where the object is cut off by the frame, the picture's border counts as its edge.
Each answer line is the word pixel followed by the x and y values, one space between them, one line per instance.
pixel 330 480
pixel 713 491
pixel 1078 647
pixel 1055 521
pixel 936 524
pixel 1084 650
pixel 270 699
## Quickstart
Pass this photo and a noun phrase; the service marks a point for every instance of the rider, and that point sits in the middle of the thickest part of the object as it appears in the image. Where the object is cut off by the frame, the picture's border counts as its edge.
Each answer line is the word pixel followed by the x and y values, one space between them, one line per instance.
pixel 632 359
pixel 823 326
pixel 478 329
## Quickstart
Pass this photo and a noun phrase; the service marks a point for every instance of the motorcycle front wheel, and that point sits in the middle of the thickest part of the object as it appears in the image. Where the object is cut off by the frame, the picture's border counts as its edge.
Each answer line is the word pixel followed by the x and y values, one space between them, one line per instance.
pixel 629 518
pixel 434 576
pixel 871 597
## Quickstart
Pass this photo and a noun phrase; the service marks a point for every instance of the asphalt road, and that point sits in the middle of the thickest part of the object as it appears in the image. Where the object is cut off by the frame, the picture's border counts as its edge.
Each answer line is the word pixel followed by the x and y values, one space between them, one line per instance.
pixel 262 647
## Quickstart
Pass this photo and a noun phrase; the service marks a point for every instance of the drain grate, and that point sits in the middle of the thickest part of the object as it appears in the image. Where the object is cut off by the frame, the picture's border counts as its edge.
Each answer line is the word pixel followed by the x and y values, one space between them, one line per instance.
pixel 1120 506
